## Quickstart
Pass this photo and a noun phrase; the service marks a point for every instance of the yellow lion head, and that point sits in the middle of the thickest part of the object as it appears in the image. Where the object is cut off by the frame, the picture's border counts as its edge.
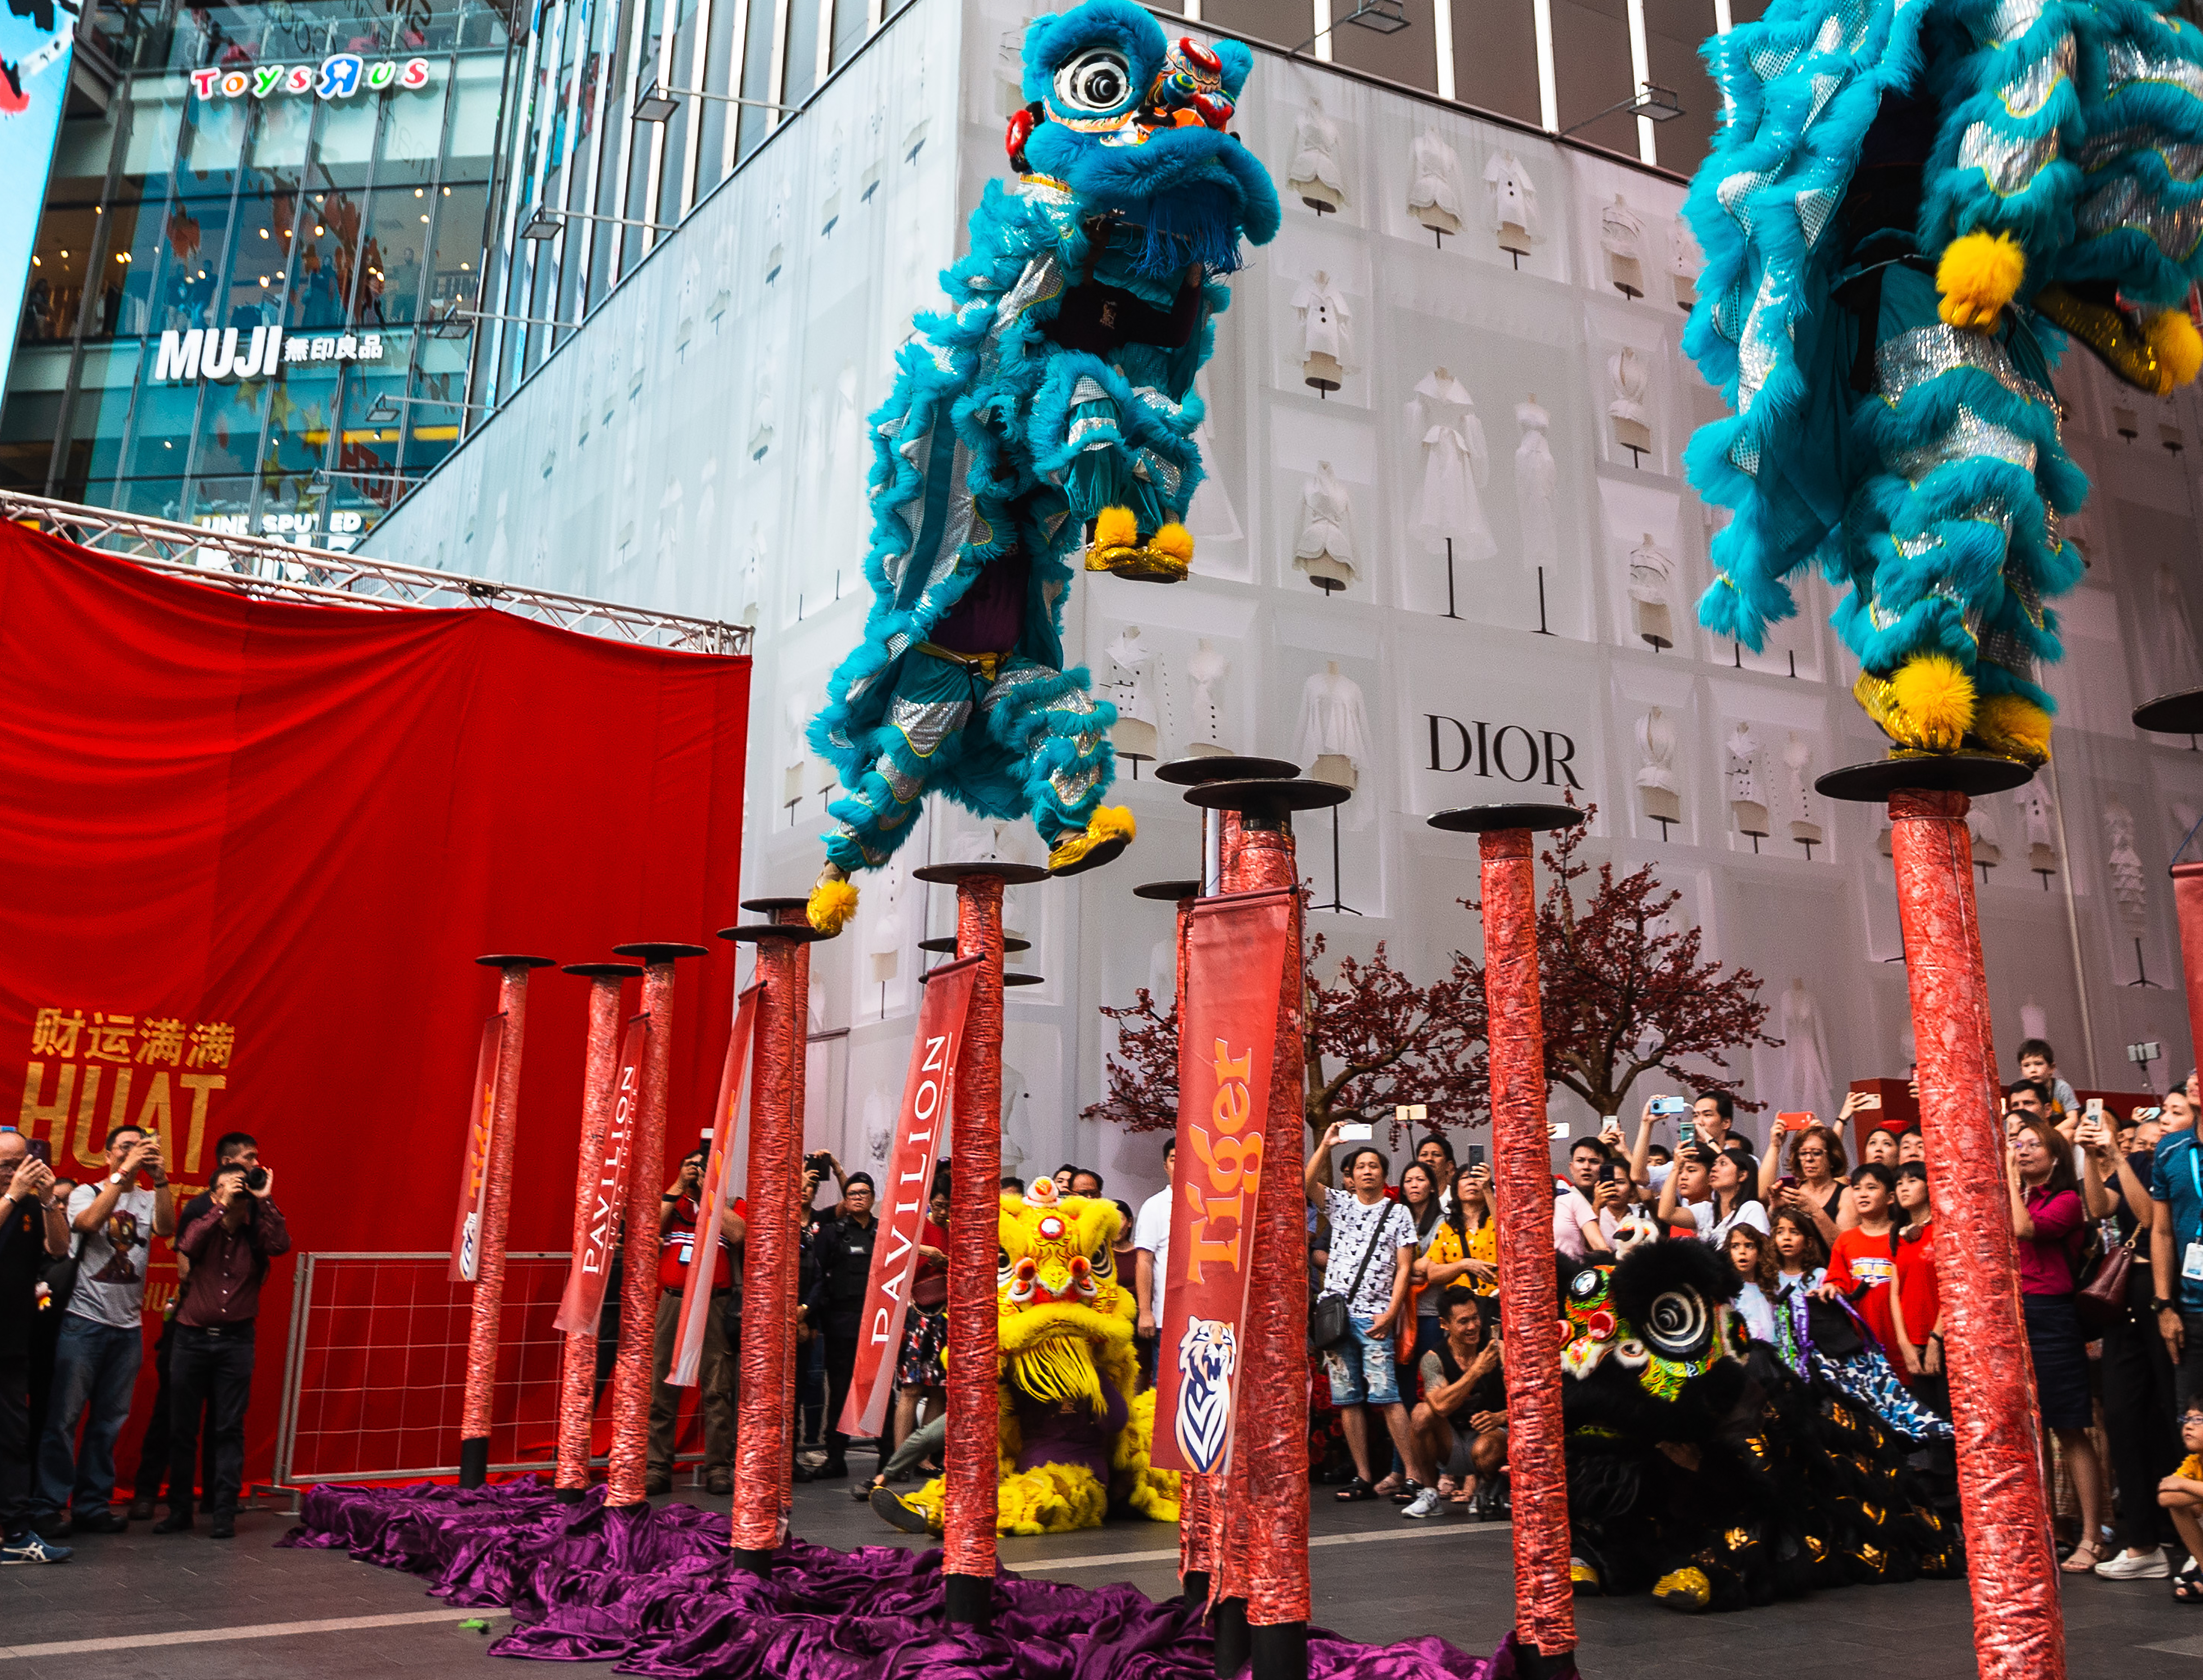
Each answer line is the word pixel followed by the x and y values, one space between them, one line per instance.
pixel 1065 1314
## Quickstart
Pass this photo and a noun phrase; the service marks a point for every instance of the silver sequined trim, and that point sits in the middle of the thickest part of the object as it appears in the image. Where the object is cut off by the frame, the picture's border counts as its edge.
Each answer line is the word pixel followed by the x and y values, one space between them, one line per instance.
pixel 2013 19
pixel 1815 205
pixel 1077 702
pixel 2126 62
pixel 1073 783
pixel 2028 92
pixel 2008 163
pixel 2121 204
pixel 1755 356
pixel 1017 677
pixel 1968 437
pixel 1086 425
pixel 1909 360
pixel 926 723
pixel 1089 389
pixel 905 788
pixel 2182 162
pixel 1041 279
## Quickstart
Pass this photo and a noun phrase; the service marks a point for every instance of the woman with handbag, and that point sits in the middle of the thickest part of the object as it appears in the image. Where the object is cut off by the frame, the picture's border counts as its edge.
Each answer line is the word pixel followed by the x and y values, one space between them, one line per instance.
pixel 2138 1381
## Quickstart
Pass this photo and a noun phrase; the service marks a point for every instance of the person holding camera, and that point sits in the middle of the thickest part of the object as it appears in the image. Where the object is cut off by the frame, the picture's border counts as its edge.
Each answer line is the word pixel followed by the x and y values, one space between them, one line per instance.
pixel 102 1343
pixel 843 1249
pixel 231 1235
pixel 33 1230
pixel 679 1214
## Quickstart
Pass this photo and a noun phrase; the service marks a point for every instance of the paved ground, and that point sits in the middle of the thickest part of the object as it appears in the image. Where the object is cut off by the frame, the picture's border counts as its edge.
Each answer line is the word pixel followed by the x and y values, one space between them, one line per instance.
pixel 187 1607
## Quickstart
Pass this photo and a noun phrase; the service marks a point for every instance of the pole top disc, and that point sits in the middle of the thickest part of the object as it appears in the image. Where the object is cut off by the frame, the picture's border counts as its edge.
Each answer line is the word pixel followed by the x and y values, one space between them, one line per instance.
pixel 945 946
pixel 767 906
pixel 1170 891
pixel 763 933
pixel 1263 795
pixel 657 951
pixel 1969 772
pixel 516 962
pixel 1225 767
pixel 1538 817
pixel 604 970
pixel 2171 714
pixel 1010 874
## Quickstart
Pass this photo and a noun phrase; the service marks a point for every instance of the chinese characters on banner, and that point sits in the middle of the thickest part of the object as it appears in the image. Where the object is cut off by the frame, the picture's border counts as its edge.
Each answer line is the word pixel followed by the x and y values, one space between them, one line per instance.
pixel 1235 958
pixel 711 1194
pixel 585 1280
pixel 146 1066
pixel 474 1171
pixel 927 1090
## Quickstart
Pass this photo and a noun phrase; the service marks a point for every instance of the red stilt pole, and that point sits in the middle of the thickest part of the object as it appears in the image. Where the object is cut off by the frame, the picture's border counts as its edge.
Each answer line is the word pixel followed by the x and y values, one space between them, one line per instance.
pixel 488 1303
pixel 577 1368
pixel 765 1442
pixel 2019 1623
pixel 975 1169
pixel 1545 1604
pixel 638 1324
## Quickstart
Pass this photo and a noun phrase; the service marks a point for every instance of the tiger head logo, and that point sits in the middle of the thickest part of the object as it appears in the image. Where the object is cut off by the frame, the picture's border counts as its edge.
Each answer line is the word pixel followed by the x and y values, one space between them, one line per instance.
pixel 1207 1356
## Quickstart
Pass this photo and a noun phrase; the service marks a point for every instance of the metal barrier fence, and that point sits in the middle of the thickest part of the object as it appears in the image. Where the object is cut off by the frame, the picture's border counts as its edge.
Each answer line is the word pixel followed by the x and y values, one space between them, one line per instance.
pixel 376 1367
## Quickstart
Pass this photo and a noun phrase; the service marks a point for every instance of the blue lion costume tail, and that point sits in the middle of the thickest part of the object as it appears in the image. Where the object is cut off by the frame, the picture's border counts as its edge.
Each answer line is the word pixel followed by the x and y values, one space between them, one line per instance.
pixel 1909 205
pixel 1050 402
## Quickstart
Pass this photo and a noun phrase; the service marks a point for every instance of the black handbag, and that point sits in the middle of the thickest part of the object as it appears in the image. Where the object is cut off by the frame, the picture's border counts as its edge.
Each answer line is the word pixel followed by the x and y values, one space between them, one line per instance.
pixel 1328 1322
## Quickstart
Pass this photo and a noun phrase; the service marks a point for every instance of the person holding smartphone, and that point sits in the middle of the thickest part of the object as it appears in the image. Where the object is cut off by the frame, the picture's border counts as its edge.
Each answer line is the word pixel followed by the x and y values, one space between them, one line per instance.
pixel 114 1220
pixel 1372 1260
pixel 33 1228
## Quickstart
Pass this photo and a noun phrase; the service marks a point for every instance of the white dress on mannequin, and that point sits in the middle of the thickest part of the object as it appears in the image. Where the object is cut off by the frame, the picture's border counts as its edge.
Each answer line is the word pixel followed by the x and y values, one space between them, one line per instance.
pixel 1132 690
pixel 1205 672
pixel 1324 317
pixel 1656 778
pixel 1631 377
pixel 1325 548
pixel 1806 1080
pixel 2129 891
pixel 1455 466
pixel 1333 723
pixel 1651 570
pixel 2035 814
pixel 1315 155
pixel 1747 794
pixel 2178 666
pixel 1684 261
pixel 1434 195
pixel 1510 194
pixel 1622 236
pixel 1535 480
pixel 1805 821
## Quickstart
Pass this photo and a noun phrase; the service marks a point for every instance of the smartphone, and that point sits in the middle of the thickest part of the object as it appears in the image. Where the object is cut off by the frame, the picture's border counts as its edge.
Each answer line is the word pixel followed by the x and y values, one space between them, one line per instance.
pixel 1868 1099
pixel 1475 1156
pixel 1357 1131
pixel 2096 1108
pixel 1793 1122
pixel 40 1150
pixel 1670 1106
pixel 1787 1181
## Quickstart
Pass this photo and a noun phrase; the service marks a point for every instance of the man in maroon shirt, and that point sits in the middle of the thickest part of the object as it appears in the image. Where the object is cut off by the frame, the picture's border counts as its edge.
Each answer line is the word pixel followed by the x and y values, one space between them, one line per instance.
pixel 229 1235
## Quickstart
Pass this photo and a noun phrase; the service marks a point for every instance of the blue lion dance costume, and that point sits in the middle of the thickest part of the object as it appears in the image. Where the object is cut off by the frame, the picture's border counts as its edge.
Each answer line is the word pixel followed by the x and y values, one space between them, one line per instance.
pixel 1052 403
pixel 1910 203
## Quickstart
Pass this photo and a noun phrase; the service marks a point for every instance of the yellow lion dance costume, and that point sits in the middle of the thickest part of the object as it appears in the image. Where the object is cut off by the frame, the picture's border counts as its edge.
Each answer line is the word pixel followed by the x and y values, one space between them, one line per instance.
pixel 1074 1433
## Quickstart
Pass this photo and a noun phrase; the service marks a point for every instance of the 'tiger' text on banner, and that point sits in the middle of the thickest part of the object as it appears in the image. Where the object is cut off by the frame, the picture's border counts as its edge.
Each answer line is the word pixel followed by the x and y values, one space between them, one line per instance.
pixel 1235 958
pixel 927 1091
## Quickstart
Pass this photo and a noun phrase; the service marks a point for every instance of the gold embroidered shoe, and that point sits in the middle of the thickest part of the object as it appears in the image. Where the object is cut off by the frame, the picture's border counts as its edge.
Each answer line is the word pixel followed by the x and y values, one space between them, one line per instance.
pixel 2016 728
pixel 1104 838
pixel 1164 557
pixel 1116 544
pixel 2153 354
pixel 1686 1589
pixel 1583 1578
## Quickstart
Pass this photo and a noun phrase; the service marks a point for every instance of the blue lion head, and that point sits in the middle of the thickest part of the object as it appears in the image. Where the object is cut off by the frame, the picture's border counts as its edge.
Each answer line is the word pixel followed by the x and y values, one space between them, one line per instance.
pixel 1134 125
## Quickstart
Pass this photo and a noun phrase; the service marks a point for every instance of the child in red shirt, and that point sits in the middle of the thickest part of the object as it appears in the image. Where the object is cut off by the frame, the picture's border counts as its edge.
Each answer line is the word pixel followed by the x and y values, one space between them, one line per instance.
pixel 1863 1264
pixel 1919 1298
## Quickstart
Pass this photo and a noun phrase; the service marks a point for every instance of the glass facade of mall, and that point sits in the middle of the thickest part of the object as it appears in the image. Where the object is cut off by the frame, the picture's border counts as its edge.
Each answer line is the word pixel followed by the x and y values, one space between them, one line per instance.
pixel 423 229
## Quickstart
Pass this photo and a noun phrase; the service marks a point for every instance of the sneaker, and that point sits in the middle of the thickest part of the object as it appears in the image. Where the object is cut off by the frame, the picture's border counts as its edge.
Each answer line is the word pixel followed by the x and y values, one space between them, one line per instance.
pixel 1424 1504
pixel 2152 1566
pixel 30 1548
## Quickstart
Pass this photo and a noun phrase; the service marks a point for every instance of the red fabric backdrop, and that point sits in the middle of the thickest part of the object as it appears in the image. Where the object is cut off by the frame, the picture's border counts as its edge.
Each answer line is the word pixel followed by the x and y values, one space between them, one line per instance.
pixel 256 847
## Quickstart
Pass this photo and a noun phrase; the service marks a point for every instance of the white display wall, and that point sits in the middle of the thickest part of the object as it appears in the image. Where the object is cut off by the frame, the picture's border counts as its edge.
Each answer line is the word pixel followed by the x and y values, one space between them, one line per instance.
pixel 699 447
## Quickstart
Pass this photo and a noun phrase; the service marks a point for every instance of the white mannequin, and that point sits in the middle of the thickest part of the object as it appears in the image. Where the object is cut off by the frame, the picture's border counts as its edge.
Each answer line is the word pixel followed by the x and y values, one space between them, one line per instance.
pixel 1133 690
pixel 1325 352
pixel 1747 800
pixel 2178 667
pixel 1512 198
pixel 884 941
pixel 1455 465
pixel 1685 261
pixel 1535 480
pixel 1656 781
pixel 1205 721
pixel 1798 758
pixel 1325 548
pixel 1631 378
pixel 2035 810
pixel 1434 195
pixel 2123 865
pixel 1333 739
pixel 1805 1077
pixel 1652 569
pixel 1315 172
pixel 1622 236
pixel 1980 824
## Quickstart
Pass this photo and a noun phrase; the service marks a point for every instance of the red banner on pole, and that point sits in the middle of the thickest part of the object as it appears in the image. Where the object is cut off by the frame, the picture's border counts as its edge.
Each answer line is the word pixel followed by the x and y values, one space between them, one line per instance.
pixel 927 1091
pixel 474 1171
pixel 712 1195
pixel 584 1299
pixel 1235 958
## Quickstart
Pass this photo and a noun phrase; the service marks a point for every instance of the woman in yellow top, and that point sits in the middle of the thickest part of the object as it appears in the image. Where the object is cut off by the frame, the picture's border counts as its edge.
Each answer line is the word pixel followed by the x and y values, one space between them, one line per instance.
pixel 1466 1248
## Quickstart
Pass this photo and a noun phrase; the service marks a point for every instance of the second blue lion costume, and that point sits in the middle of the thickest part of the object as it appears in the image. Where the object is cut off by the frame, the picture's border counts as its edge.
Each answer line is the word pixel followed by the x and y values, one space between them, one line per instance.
pixel 1907 201
pixel 1052 402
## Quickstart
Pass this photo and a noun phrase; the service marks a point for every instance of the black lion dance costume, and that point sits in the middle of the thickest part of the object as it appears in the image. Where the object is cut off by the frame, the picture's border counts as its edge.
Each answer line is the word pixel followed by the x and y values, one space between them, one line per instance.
pixel 1708 1468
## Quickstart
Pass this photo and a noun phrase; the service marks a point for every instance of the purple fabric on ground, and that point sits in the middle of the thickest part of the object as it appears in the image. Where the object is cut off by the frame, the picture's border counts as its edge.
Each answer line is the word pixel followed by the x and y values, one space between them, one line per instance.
pixel 659 1590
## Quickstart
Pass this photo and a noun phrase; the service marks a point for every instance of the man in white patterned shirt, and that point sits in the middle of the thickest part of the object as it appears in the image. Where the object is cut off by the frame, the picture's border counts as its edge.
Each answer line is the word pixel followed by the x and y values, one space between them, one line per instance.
pixel 1372 1249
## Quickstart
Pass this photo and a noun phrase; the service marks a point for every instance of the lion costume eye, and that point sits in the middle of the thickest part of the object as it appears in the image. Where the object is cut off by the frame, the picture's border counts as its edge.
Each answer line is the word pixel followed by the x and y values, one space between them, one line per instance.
pixel 1677 1327
pixel 1095 80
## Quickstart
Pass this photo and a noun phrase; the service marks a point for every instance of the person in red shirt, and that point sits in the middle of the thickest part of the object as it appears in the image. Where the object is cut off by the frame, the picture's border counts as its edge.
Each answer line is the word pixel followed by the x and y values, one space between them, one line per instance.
pixel 1862 1264
pixel 714 1375
pixel 1919 1298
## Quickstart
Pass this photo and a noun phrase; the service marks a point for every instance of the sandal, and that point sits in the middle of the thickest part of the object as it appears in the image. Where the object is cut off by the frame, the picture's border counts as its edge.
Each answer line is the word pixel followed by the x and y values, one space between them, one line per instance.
pixel 1408 1494
pixel 1354 1491
pixel 2077 1564
pixel 2188 1585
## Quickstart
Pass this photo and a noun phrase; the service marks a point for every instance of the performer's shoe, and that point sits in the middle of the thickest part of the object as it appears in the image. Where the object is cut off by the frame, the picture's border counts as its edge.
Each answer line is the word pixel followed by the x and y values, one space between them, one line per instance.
pixel 2016 728
pixel 833 900
pixel 1583 1579
pixel 897 1512
pixel 1686 1589
pixel 1926 704
pixel 1104 838
pixel 2153 354
pixel 1115 544
pixel 1164 557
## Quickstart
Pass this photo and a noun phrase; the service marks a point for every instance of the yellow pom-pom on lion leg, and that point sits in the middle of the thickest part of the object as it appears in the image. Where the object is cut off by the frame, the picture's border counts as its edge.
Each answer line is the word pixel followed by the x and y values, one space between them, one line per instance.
pixel 2017 728
pixel 833 900
pixel 1927 704
pixel 1978 275
pixel 2178 349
